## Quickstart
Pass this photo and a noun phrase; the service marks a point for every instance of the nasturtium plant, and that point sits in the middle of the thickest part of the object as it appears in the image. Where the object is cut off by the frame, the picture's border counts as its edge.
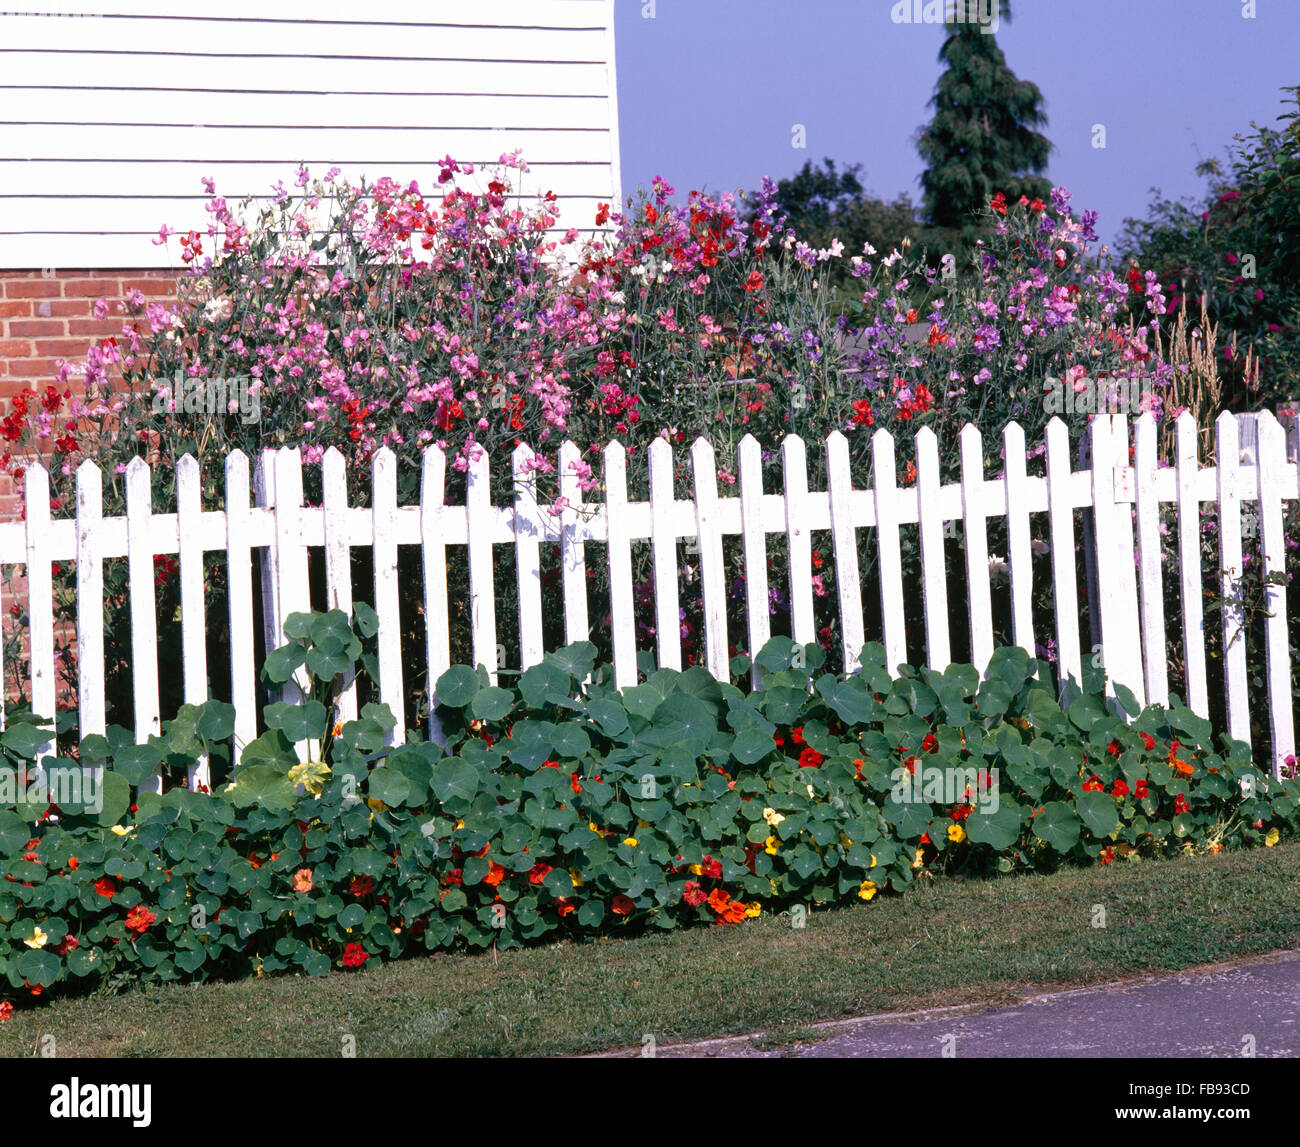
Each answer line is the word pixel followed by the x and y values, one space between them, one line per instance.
pixel 554 804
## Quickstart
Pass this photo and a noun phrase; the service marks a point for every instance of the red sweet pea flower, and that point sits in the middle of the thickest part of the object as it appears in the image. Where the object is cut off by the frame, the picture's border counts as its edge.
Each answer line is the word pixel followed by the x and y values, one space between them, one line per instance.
pixel 354 955
pixel 862 415
pixel 999 203
pixel 754 282
pixel 602 214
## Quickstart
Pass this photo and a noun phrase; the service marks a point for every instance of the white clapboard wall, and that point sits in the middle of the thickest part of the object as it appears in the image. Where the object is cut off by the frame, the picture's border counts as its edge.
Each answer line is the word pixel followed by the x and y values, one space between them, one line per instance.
pixel 111 111
pixel 1139 621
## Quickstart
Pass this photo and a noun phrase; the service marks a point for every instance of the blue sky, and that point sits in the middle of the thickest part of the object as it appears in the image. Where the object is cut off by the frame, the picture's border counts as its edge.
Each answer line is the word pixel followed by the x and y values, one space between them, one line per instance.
pixel 710 90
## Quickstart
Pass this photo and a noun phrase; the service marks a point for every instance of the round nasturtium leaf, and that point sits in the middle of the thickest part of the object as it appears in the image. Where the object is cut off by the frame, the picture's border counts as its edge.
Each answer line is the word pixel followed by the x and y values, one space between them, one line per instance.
pixel 457 687
pixel 1058 826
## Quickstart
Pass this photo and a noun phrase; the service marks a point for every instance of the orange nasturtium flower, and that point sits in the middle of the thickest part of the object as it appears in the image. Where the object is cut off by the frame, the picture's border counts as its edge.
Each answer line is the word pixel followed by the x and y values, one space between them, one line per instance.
pixel 495 874
pixel 302 881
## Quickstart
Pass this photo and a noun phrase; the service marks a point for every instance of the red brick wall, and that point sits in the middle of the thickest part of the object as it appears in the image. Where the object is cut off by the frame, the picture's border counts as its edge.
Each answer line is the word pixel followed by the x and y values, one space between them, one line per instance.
pixel 42 320
pixel 45 319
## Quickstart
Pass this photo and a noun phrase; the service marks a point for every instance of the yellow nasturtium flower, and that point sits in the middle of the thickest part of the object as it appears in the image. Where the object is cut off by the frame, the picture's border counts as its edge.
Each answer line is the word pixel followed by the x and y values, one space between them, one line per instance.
pixel 867 889
pixel 771 846
pixel 772 817
pixel 956 833
pixel 917 862
pixel 1272 837
pixel 38 939
pixel 754 909
pixel 630 841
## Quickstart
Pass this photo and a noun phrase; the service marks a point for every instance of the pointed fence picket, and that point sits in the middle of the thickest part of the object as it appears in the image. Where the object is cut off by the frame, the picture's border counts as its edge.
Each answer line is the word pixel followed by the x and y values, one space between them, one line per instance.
pixel 1126 505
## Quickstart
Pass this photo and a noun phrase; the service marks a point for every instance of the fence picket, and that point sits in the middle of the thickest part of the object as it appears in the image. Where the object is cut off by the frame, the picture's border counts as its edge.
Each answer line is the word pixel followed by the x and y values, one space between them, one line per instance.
pixel 90 604
pixel 572 551
pixel 1271 464
pixel 1151 585
pixel 338 561
pixel 1020 554
pixel 483 610
pixel 290 566
pixel 1116 600
pixel 40 599
pixel 1065 583
pixel 528 570
pixel 239 579
pixel 934 569
pixel 383 471
pixel 844 539
pixel 622 618
pixel 713 586
pixel 433 554
pixel 749 460
pixel 194 637
pixel 668 636
pixel 144 620
pixel 1189 564
pixel 884 485
pixel 975 529
pixel 1227 462
pixel 794 477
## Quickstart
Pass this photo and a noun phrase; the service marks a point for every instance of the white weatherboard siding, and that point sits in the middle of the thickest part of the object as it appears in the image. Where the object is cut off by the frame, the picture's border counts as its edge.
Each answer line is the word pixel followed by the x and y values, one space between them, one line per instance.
pixel 112 110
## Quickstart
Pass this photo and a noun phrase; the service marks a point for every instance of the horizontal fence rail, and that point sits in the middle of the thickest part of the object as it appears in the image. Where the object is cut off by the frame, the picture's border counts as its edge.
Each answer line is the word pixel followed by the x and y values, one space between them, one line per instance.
pixel 1124 491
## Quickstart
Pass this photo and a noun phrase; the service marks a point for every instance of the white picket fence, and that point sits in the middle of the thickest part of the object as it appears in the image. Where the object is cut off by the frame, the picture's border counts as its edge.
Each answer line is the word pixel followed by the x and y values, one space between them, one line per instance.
pixel 1128 592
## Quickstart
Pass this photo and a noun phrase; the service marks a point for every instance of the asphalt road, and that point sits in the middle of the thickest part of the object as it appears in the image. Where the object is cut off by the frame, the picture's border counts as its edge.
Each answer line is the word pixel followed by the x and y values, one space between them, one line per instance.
pixel 1219 1011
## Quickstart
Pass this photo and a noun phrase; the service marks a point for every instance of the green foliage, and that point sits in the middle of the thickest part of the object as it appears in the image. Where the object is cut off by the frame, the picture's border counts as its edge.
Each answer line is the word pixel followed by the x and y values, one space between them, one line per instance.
pixel 1238 249
pixel 562 806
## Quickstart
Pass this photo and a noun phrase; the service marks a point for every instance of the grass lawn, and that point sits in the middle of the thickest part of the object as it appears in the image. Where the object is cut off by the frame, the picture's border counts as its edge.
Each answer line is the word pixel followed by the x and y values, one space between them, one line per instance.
pixel 952 942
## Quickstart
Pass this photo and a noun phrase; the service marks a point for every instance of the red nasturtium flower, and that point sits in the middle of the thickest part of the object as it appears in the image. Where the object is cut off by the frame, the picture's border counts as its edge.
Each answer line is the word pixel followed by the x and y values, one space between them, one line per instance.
pixel 693 894
pixel 1148 741
pixel 810 758
pixel 495 874
pixel 1119 789
pixel 1180 803
pixel 1114 748
pixel 361 886
pixel 73 864
pixel 1140 790
pixel 711 868
pixel 621 905
pixel 538 872
pixel 1093 785
pixel 138 919
pixel 930 743
pixel 70 944
pixel 6 1010
pixel 563 905
pixel 106 886
pixel 354 955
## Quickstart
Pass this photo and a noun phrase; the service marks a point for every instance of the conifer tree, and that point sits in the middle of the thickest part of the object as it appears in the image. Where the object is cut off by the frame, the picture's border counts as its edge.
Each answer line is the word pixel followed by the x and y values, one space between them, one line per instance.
pixel 984 136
